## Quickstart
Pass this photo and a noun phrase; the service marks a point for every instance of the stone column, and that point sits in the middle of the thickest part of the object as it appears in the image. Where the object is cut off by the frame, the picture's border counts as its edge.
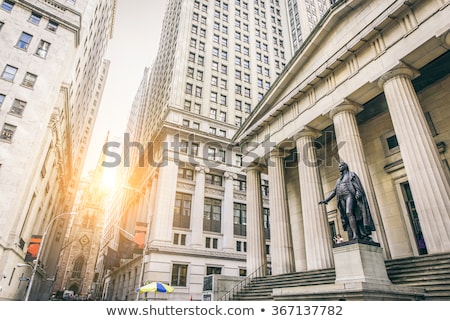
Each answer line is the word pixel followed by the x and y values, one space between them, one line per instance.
pixel 161 231
pixel 281 249
pixel 426 176
pixel 315 221
pixel 228 214
pixel 198 204
pixel 256 241
pixel 351 151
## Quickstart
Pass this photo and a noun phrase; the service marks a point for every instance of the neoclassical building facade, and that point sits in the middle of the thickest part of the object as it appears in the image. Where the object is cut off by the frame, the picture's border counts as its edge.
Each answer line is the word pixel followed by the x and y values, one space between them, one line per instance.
pixel 369 87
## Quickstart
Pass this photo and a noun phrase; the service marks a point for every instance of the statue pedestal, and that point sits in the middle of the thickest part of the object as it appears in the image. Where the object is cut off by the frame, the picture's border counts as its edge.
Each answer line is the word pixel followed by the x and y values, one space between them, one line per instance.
pixel 360 261
pixel 360 276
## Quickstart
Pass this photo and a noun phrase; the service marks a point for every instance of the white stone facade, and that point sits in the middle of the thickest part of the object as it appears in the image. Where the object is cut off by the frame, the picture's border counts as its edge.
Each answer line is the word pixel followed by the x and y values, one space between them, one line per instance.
pixel 50 86
pixel 368 73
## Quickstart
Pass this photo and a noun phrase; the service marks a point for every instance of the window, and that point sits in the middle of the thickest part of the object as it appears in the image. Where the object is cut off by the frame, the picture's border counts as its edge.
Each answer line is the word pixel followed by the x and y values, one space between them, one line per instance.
pixel 29 80
pixel 390 143
pixel 238 104
pixel 188 88
pixel 240 185
pixel 17 107
pixel 212 215
pixel 9 73
pixel 240 219
pixel 238 121
pixel 196 125
pixel 24 41
pixel 2 99
pixel 266 214
pixel 8 131
pixel 239 159
pixel 213 179
pixel 221 157
pixel 186 173
pixel 190 72
pixel 7 5
pixel 182 210
pixel 77 268
pixel 195 146
pixel 211 243
pixel 179 239
pixel 213 270
pixel 213 113
pixel 179 274
pixel 213 98
pixel 223 115
pixel 42 49
pixel 241 247
pixel 265 187
pixel 198 91
pixel 35 18
pixel 211 150
pixel 184 146
pixel 52 25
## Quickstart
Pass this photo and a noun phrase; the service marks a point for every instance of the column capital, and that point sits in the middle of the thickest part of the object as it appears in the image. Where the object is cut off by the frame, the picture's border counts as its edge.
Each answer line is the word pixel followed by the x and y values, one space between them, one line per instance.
pixel 401 69
pixel 277 152
pixel 202 169
pixel 308 131
pixel 346 105
pixel 446 39
pixel 229 175
pixel 257 168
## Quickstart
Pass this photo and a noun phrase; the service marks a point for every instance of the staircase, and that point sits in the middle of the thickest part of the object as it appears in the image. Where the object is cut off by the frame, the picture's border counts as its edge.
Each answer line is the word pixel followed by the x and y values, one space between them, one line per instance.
pixel 431 272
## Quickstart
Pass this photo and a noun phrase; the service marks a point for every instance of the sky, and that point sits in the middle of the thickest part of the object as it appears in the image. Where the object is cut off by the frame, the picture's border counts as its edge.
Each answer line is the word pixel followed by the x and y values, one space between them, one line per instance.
pixel 133 47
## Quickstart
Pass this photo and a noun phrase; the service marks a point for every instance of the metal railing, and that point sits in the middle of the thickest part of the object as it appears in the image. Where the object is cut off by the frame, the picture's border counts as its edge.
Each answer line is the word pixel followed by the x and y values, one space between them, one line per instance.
pixel 259 272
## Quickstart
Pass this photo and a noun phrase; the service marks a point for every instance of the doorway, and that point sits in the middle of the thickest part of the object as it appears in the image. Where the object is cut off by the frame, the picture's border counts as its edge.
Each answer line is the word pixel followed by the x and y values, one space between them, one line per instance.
pixel 414 219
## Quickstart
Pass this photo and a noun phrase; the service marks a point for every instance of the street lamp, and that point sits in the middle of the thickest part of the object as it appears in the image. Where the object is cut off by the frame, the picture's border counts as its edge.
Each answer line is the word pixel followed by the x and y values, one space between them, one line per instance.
pixel 36 262
pixel 141 276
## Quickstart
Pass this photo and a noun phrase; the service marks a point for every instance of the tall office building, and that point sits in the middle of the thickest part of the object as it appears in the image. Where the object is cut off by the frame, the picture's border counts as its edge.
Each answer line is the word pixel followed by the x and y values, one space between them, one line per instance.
pixel 51 82
pixel 303 16
pixel 216 60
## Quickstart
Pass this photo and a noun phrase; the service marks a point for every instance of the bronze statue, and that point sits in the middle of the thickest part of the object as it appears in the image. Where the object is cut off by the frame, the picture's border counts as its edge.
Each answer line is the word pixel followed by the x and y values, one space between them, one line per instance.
pixel 352 204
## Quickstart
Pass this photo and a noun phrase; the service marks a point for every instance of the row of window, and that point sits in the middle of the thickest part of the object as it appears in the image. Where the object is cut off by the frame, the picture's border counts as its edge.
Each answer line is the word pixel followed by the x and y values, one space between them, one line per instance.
pixel 217 180
pixel 212 215
pixel 210 242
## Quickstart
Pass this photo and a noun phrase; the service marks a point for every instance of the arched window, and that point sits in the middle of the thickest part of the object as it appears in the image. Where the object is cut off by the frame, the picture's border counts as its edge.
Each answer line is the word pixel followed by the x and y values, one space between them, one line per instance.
pixel 77 268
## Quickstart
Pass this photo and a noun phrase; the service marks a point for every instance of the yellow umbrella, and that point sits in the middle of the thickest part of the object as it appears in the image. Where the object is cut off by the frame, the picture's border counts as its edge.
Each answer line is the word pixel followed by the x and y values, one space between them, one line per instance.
pixel 155 287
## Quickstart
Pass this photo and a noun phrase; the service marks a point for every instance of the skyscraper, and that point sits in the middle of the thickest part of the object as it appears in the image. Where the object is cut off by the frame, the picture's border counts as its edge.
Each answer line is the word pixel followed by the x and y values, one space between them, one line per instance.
pixel 51 82
pixel 216 60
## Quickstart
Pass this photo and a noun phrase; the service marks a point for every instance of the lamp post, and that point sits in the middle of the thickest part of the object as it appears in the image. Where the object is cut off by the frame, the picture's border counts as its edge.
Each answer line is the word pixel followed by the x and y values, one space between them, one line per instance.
pixel 141 276
pixel 36 261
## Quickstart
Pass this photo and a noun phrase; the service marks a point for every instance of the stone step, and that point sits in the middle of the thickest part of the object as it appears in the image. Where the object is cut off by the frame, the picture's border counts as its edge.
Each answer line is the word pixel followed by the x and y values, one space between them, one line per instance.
pixel 429 271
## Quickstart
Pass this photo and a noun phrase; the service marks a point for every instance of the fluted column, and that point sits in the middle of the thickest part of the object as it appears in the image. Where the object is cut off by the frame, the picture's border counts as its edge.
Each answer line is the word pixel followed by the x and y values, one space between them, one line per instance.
pixel 281 249
pixel 315 222
pixel 198 204
pixel 426 176
pixel 351 151
pixel 256 241
pixel 228 214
